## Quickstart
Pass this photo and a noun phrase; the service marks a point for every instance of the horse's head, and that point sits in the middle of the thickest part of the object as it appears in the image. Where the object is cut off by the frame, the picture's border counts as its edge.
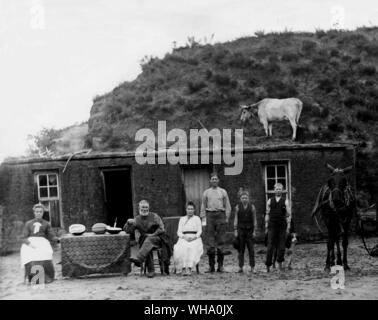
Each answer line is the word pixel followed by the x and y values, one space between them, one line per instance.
pixel 247 111
pixel 337 184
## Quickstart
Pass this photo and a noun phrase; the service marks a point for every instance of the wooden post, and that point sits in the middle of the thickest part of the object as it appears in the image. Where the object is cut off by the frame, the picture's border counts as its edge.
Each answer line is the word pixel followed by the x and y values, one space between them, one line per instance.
pixel 171 226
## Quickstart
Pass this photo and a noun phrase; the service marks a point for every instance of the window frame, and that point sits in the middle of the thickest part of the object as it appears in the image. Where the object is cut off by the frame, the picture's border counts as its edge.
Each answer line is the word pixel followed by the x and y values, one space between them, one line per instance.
pixel 276 163
pixel 48 186
pixel 46 201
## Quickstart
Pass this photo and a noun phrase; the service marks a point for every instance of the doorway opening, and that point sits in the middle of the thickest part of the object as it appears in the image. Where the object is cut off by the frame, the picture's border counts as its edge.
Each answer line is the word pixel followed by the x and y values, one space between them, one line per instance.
pixel 118 196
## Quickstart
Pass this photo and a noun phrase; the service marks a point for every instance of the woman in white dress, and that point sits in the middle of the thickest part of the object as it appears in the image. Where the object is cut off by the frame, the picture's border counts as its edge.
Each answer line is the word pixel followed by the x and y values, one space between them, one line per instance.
pixel 188 250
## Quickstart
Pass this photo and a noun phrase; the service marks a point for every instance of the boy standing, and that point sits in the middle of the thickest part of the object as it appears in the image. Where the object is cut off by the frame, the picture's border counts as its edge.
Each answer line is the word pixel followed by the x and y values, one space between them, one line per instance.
pixel 245 227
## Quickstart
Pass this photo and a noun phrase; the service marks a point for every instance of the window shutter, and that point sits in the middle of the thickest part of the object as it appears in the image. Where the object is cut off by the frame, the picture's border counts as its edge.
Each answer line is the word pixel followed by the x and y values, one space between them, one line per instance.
pixel 36 195
pixel 54 213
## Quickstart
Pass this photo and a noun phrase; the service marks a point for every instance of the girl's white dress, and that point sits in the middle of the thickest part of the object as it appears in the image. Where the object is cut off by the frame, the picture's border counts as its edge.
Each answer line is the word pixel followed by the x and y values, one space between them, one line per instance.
pixel 187 254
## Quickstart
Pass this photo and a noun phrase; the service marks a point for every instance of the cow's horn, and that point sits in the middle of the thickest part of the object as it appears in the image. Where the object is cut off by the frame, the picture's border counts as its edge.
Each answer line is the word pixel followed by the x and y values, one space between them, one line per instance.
pixel 248 106
pixel 330 167
pixel 347 169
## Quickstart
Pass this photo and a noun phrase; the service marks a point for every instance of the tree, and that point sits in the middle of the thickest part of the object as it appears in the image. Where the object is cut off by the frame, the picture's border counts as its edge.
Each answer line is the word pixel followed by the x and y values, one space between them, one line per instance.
pixel 43 140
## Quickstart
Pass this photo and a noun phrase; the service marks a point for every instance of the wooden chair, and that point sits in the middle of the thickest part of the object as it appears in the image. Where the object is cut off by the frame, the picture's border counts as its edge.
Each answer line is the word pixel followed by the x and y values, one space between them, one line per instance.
pixel 143 267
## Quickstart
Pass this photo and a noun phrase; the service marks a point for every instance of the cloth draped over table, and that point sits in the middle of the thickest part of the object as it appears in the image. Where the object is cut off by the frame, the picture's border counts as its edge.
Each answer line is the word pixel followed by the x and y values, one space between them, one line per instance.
pixel 91 253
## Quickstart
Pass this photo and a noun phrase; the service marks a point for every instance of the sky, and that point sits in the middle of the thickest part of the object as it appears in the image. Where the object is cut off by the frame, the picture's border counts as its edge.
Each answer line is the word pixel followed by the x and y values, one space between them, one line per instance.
pixel 56 55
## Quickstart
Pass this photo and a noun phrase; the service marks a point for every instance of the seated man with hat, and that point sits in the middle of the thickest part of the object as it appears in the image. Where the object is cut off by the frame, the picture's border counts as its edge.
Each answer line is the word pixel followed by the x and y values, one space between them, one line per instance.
pixel 152 236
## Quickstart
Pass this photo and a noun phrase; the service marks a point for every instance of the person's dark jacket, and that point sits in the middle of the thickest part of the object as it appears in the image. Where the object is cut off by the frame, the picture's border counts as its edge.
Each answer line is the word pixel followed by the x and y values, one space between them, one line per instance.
pixel 154 226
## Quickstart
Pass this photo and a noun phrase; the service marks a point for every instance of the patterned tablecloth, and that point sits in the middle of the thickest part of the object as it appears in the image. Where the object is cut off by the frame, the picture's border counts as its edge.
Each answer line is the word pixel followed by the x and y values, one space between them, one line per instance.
pixel 95 253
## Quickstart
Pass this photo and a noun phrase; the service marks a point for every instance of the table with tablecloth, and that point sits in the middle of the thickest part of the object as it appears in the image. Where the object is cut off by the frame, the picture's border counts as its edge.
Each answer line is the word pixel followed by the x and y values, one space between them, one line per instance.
pixel 92 253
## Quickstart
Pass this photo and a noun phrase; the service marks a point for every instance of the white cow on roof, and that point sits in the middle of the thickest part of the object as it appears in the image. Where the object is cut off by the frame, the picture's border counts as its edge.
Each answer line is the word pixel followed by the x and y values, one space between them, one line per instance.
pixel 270 110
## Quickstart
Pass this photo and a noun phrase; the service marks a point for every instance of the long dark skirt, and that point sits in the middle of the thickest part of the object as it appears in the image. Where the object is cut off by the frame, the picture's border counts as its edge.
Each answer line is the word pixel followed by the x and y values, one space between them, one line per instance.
pixel 48 267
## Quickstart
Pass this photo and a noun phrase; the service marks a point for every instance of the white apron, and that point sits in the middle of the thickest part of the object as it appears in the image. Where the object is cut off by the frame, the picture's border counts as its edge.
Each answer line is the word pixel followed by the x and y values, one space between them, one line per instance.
pixel 43 250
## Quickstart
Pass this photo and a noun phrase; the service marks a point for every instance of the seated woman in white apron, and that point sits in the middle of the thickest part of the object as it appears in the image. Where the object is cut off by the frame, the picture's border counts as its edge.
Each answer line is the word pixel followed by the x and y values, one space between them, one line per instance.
pixel 36 249
pixel 188 250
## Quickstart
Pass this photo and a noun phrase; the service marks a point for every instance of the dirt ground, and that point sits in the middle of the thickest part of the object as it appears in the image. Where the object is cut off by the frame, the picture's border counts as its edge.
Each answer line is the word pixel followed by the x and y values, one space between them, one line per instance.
pixel 307 280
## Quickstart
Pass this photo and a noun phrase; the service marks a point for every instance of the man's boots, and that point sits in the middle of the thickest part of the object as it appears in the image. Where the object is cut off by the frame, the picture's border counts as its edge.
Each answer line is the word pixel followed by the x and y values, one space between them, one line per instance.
pixel 166 269
pixel 220 261
pixel 211 262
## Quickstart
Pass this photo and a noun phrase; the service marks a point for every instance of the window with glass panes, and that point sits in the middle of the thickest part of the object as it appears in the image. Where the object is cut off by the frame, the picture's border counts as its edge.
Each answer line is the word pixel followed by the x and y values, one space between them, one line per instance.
pixel 276 173
pixel 48 195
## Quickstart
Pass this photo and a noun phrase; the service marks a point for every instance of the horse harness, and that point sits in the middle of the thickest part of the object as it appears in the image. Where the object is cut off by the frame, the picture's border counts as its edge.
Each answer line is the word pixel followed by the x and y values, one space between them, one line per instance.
pixel 348 197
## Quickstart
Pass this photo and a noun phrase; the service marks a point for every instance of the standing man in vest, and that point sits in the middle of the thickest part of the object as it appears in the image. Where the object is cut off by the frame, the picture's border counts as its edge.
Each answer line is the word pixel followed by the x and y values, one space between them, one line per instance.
pixel 215 212
pixel 245 229
pixel 277 226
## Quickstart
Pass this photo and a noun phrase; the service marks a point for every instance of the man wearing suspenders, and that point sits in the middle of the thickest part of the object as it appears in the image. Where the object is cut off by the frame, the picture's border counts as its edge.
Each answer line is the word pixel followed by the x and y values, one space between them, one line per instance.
pixel 277 226
pixel 215 212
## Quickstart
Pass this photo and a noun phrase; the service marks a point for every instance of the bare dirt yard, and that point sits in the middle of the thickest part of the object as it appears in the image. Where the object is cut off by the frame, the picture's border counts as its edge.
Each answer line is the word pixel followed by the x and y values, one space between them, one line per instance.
pixel 306 280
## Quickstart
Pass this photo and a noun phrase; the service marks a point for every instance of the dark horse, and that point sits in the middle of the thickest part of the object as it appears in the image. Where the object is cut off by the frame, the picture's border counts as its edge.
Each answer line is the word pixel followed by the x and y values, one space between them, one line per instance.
pixel 337 205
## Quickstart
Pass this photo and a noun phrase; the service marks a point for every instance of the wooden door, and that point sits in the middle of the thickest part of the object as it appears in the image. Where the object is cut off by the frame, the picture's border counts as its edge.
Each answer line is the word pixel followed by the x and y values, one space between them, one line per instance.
pixel 196 181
